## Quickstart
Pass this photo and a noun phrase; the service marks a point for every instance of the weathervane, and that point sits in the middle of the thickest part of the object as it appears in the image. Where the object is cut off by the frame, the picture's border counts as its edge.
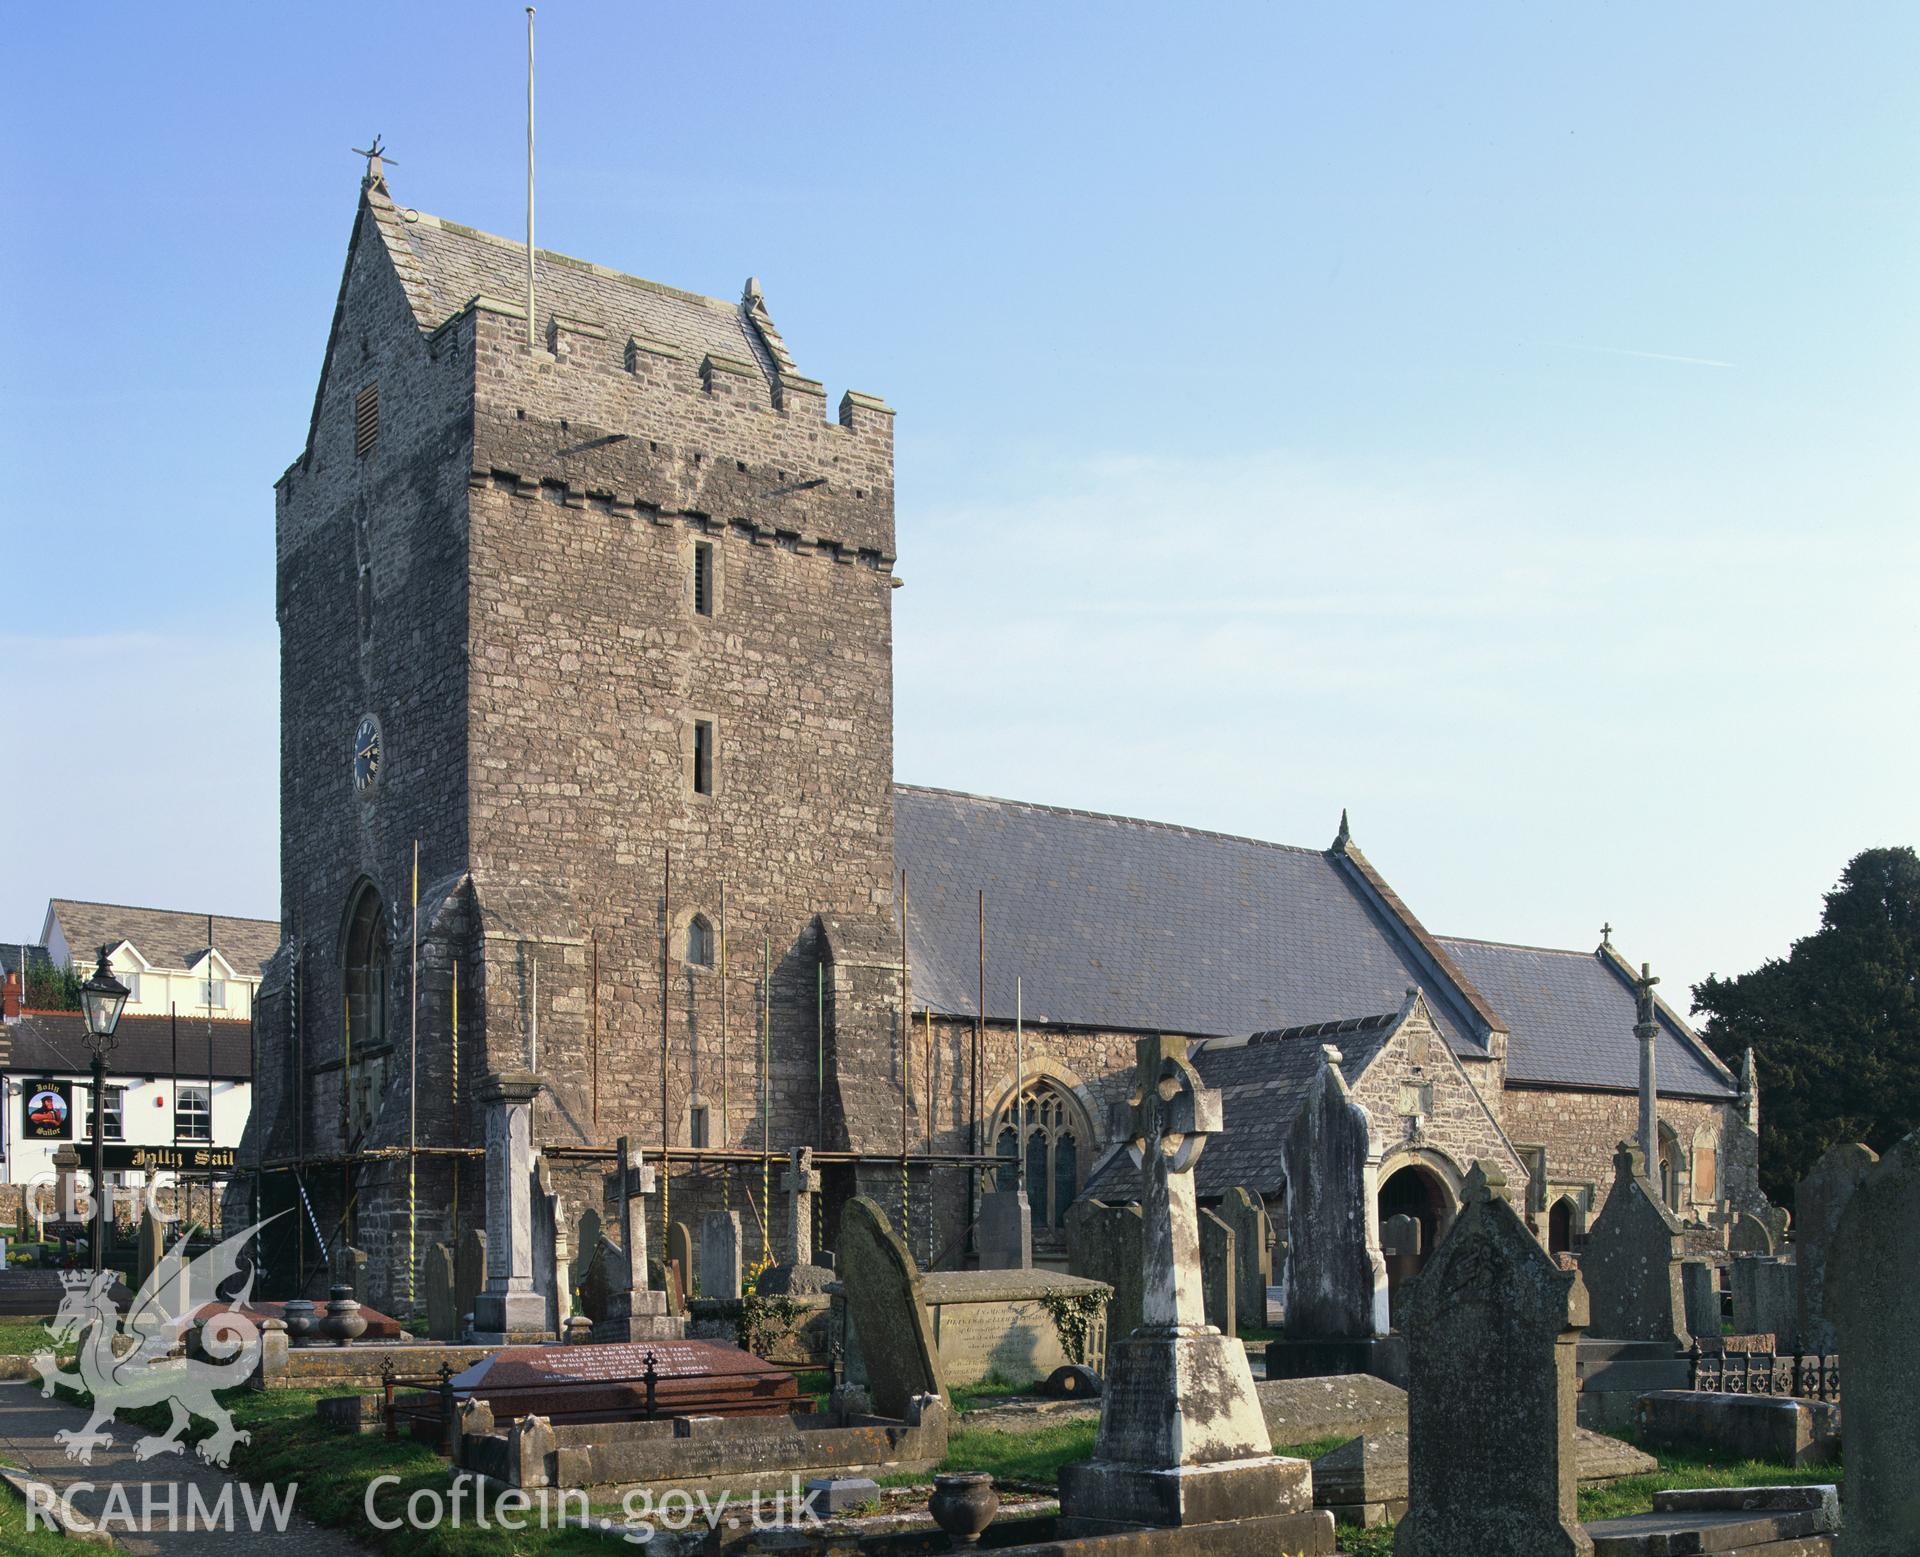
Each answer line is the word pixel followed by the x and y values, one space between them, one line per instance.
pixel 377 153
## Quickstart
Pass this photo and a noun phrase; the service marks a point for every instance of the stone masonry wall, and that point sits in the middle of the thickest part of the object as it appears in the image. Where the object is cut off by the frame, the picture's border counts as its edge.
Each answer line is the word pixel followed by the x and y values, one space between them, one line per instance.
pixel 1582 1130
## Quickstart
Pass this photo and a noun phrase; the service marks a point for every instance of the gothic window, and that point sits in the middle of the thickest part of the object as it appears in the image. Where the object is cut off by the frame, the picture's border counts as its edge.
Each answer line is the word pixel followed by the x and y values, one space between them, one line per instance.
pixel 364 985
pixel 700 941
pixel 1056 1138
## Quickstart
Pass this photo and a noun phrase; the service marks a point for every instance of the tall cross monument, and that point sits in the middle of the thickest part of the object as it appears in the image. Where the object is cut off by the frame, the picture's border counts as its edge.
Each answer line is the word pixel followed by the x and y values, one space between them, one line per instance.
pixel 1182 1437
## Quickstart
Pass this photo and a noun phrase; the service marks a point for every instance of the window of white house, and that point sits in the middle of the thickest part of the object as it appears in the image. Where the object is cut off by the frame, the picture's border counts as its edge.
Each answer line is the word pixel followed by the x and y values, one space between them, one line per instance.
pixel 215 993
pixel 113 1109
pixel 193 1113
pixel 132 981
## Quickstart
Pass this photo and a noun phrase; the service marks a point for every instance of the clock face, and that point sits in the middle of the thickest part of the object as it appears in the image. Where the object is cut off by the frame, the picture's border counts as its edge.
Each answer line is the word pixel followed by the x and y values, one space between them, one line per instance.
pixel 366 753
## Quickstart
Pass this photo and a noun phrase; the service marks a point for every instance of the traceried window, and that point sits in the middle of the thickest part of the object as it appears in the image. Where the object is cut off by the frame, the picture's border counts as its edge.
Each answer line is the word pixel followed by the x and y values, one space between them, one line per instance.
pixel 1057 1145
pixel 700 941
pixel 193 1113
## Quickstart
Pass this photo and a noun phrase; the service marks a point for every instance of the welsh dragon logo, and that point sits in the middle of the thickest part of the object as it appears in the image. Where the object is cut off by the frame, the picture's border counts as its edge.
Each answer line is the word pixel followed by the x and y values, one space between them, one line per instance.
pixel 142 1362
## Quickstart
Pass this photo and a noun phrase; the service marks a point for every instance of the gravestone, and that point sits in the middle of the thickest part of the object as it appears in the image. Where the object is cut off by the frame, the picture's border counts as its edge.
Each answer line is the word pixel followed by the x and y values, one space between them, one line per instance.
pixel 1873 1298
pixel 800 1275
pixel 1700 1286
pixel 1749 1235
pixel 681 1255
pixel 1336 1293
pixel 548 1237
pixel 635 1180
pixel 1005 1234
pixel 1182 1439
pixel 443 1304
pixel 1219 1290
pixel 1252 1257
pixel 720 1255
pixel 1632 1261
pixel 1103 1244
pixel 1819 1202
pixel 151 1249
pixel 1400 1248
pixel 508 1309
pixel 888 1309
pixel 1765 1301
pixel 1493 1329
pixel 802 1183
pixel 469 1273
pixel 606 1274
pixel 586 1246
pixel 347 1267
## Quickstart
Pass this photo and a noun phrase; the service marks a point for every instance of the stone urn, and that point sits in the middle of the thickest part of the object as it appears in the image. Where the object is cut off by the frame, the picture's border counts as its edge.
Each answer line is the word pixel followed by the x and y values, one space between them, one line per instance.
pixel 300 1318
pixel 963 1504
pixel 344 1322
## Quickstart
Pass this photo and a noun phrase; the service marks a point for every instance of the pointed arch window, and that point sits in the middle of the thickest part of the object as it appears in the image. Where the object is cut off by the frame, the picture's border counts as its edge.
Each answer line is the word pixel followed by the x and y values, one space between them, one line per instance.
pixel 364 969
pixel 700 941
pixel 1057 1140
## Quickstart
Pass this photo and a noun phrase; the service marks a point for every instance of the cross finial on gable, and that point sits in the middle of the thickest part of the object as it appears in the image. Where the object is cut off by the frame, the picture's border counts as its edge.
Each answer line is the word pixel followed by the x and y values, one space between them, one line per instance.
pixel 377 159
pixel 1606 934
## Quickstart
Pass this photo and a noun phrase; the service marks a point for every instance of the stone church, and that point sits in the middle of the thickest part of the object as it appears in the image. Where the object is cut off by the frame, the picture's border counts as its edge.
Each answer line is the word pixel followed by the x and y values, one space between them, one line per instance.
pixel 586 770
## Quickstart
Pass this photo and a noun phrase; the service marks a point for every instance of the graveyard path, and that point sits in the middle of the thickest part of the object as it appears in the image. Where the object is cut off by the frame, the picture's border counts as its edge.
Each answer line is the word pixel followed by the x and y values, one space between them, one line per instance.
pixel 28 1425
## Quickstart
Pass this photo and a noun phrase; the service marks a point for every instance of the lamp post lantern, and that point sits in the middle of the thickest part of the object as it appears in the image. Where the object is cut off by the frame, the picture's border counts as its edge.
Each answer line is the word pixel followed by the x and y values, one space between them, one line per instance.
pixel 102 998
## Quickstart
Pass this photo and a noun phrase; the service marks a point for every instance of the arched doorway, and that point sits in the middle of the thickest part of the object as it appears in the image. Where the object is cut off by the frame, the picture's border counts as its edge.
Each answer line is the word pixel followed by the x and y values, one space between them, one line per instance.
pixel 1416 1208
pixel 1058 1145
pixel 1560 1227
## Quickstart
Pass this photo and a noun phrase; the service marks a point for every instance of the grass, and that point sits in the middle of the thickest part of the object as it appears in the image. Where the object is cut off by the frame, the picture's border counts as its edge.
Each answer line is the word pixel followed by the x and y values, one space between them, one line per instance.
pixel 18 1541
pixel 333 1471
pixel 21 1337
pixel 990 1391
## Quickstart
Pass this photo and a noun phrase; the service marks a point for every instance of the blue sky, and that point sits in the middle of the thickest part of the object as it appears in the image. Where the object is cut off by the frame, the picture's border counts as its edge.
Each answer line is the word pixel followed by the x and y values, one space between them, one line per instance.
pixel 1495 419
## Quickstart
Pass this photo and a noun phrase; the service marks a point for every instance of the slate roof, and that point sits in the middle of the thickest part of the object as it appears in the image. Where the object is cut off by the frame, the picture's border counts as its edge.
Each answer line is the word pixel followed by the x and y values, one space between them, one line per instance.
pixel 167 938
pixel 1139 926
pixel 1262 1081
pixel 11 958
pixel 460 263
pixel 54 1043
pixel 1570 1019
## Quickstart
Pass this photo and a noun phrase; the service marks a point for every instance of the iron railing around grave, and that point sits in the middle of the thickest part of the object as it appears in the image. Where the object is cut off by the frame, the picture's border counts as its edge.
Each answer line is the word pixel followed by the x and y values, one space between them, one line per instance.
pixel 1806 1375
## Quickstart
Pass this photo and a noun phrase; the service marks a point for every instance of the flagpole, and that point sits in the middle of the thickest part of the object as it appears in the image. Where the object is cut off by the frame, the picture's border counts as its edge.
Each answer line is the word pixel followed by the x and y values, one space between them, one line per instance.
pixel 530 327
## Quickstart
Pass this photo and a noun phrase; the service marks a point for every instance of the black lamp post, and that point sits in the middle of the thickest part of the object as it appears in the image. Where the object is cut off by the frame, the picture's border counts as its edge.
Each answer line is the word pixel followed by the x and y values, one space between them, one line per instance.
pixel 102 998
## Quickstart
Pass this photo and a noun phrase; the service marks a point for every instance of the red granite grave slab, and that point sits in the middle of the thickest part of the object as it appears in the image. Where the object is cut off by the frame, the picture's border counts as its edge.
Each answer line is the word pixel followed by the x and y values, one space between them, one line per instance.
pixel 608 1383
pixel 379 1326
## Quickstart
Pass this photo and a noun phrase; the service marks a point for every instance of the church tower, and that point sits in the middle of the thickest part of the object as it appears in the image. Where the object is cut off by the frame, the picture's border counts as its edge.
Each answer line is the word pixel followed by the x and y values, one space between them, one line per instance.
pixel 596 617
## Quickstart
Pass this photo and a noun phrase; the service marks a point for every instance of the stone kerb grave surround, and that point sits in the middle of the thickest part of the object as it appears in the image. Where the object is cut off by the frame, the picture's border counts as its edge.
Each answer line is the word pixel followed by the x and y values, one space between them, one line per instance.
pixel 1819 1202
pixel 1873 1297
pixel 1632 1264
pixel 1493 1328
pixel 888 1310
pixel 1182 1437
